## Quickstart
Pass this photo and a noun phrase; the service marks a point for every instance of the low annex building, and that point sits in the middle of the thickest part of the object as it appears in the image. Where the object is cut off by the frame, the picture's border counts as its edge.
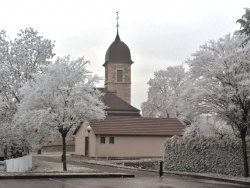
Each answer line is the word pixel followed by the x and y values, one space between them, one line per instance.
pixel 126 136
pixel 123 133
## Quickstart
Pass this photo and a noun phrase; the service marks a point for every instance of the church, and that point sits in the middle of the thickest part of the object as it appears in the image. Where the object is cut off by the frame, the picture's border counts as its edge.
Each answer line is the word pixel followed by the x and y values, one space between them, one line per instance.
pixel 123 133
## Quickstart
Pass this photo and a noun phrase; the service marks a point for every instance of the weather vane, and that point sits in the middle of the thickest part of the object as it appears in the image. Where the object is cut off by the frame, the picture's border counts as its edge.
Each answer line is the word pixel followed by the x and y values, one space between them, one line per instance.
pixel 117 24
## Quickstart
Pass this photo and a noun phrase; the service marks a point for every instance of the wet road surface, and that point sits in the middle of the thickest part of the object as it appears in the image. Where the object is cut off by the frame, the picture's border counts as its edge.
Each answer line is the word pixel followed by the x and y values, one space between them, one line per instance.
pixel 143 179
pixel 141 182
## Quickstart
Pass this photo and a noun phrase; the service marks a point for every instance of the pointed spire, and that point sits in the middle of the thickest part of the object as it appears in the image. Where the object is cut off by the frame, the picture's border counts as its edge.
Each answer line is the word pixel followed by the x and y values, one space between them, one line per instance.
pixel 117 17
pixel 117 38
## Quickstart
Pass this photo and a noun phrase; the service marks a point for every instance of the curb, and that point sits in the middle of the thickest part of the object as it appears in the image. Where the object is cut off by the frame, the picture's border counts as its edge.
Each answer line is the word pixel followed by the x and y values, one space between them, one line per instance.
pixel 198 176
pixel 64 175
pixel 227 180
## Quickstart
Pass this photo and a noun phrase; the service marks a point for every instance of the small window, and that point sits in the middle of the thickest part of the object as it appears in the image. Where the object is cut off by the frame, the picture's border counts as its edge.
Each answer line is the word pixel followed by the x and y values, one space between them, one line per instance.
pixel 111 140
pixel 119 75
pixel 102 140
pixel 106 75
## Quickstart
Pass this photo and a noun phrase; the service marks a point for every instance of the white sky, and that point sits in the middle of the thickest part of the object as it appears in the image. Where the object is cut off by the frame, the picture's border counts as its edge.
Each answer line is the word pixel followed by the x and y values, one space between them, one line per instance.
pixel 159 33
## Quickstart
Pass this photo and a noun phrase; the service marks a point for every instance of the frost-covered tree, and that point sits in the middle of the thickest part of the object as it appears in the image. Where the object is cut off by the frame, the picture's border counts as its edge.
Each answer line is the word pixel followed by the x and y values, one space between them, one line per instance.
pixel 19 59
pixel 208 126
pixel 245 23
pixel 220 72
pixel 32 134
pixel 61 97
pixel 163 93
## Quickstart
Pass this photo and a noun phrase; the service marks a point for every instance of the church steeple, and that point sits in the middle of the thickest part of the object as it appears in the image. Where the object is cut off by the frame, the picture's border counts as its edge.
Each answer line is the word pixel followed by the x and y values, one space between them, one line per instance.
pixel 117 38
pixel 118 68
pixel 118 51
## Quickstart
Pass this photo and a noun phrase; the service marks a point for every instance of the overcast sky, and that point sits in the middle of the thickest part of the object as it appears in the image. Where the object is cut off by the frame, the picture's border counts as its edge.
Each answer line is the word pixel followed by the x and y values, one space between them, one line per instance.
pixel 159 33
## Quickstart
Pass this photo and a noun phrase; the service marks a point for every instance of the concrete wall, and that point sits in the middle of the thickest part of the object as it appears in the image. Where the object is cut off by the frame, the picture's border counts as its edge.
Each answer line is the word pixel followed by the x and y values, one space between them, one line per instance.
pixel 58 143
pixel 69 148
pixel 21 164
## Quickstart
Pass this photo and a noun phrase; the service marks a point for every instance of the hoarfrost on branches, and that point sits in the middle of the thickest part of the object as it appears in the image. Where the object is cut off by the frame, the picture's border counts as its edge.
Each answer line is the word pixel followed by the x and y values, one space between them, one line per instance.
pixel 244 22
pixel 19 59
pixel 62 96
pixel 209 126
pixel 163 93
pixel 219 73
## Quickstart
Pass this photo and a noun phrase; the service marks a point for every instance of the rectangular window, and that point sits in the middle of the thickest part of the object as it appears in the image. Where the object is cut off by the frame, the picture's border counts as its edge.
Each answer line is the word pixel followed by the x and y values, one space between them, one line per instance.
pixel 111 140
pixel 119 76
pixel 106 75
pixel 102 140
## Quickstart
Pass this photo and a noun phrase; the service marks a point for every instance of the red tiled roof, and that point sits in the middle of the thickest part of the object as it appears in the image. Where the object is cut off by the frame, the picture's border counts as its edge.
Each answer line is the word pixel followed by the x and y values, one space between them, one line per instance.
pixel 132 125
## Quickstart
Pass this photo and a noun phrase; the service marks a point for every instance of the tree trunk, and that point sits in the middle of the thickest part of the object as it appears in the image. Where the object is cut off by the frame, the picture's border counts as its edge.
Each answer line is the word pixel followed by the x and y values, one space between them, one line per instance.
pixel 244 153
pixel 64 153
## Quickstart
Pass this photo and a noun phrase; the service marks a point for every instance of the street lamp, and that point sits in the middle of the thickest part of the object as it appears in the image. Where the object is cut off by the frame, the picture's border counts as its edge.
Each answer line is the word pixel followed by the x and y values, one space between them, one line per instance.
pixel 88 128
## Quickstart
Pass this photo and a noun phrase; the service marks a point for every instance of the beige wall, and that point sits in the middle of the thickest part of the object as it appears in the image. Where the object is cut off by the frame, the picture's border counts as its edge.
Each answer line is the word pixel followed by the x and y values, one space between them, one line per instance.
pixel 131 146
pixel 124 146
pixel 80 141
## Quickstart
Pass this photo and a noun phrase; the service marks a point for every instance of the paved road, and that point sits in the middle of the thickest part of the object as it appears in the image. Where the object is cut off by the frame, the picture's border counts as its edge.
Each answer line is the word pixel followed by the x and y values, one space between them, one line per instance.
pixel 141 180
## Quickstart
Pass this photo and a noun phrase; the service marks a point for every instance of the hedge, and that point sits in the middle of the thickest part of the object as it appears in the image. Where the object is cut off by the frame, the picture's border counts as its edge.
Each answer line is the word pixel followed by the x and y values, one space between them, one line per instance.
pixel 204 155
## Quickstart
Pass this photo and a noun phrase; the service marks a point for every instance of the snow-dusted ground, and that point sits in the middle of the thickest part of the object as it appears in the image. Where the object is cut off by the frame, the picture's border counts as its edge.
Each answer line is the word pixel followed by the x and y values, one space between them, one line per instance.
pixel 44 166
pixel 139 163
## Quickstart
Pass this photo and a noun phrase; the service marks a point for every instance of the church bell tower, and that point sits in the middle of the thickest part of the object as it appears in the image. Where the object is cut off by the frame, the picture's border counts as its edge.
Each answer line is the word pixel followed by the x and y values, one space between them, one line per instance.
pixel 118 68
